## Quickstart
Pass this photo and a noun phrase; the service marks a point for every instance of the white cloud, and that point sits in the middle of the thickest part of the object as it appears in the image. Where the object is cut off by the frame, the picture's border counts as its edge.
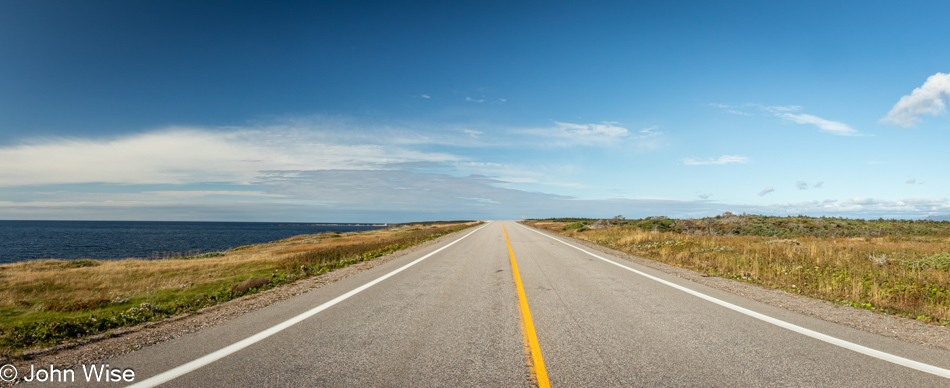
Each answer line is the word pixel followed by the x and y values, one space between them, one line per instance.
pixel 833 127
pixel 818 184
pixel 609 129
pixel 725 159
pixel 473 133
pixel 564 134
pixel 473 100
pixel 508 175
pixel 705 196
pixel 911 181
pixel 734 109
pixel 476 199
pixel 785 112
pixel 426 96
pixel 927 99
pixel 483 164
pixel 766 190
pixel 649 132
pixel 183 155
pixel 777 109
pixel 737 112
pixel 206 193
pixel 515 179
pixel 502 99
pixel 396 189
pixel 801 185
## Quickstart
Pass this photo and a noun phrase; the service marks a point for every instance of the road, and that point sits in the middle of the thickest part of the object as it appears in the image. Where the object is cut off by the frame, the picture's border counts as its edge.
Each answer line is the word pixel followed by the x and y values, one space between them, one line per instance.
pixel 453 318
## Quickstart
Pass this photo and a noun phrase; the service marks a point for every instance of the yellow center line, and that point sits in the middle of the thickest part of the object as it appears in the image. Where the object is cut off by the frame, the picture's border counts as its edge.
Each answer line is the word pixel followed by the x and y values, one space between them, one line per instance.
pixel 527 325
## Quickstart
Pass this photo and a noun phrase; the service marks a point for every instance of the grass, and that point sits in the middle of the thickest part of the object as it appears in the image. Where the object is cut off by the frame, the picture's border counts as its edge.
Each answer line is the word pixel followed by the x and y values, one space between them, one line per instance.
pixel 44 302
pixel 893 266
pixel 730 224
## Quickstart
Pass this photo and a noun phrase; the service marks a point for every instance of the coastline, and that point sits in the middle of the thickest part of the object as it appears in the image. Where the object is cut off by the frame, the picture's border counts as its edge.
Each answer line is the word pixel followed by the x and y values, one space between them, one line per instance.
pixel 118 240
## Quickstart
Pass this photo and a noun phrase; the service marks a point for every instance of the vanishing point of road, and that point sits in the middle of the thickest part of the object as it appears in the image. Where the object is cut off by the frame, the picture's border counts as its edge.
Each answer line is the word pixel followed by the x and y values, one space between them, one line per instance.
pixel 505 305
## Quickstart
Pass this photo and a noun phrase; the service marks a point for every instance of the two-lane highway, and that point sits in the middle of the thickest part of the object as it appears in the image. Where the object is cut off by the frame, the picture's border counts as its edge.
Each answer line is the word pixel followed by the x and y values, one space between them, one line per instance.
pixel 451 316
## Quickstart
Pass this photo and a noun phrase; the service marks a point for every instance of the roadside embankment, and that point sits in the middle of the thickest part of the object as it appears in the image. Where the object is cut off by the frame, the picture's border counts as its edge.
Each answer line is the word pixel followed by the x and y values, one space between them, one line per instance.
pixel 896 267
pixel 46 302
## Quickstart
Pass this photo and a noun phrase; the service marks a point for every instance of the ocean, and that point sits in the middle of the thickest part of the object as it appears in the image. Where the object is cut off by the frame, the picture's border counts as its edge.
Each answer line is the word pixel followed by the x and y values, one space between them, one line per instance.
pixel 113 240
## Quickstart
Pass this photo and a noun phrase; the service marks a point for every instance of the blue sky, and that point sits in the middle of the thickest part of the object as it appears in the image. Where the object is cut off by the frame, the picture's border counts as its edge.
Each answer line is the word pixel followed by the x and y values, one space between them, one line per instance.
pixel 383 112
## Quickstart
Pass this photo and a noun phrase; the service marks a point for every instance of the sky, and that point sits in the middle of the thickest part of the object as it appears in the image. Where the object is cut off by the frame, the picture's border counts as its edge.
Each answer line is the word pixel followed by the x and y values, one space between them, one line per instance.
pixel 408 111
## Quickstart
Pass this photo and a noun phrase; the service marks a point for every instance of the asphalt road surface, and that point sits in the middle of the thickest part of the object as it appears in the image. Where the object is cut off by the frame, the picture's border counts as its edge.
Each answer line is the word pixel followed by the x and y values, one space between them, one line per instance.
pixel 454 318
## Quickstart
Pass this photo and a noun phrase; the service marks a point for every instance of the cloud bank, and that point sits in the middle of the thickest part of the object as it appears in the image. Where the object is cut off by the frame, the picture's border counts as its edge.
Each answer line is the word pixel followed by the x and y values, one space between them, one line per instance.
pixel 288 173
pixel 183 155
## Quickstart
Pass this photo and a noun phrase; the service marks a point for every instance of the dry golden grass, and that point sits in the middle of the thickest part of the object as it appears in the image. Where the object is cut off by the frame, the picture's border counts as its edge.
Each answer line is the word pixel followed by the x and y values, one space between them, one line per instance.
pixel 133 278
pixel 904 275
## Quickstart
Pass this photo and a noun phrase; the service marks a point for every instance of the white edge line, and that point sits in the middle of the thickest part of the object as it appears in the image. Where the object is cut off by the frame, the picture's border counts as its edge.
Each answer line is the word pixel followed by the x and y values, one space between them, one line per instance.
pixel 224 352
pixel 798 329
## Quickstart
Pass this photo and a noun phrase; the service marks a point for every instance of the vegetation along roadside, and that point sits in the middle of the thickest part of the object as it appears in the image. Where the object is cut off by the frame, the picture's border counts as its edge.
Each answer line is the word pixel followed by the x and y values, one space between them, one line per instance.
pixel 899 267
pixel 44 302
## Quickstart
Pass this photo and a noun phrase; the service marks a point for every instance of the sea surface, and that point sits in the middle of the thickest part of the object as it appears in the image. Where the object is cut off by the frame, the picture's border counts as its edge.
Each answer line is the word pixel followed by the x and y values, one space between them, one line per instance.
pixel 112 240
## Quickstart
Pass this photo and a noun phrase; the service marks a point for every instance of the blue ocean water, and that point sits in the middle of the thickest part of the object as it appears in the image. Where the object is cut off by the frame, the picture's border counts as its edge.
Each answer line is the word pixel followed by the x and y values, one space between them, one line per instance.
pixel 109 240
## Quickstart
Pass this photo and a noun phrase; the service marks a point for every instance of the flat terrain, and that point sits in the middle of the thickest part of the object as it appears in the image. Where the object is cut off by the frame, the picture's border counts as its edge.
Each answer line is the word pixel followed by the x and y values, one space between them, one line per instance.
pixel 452 319
pixel 899 267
